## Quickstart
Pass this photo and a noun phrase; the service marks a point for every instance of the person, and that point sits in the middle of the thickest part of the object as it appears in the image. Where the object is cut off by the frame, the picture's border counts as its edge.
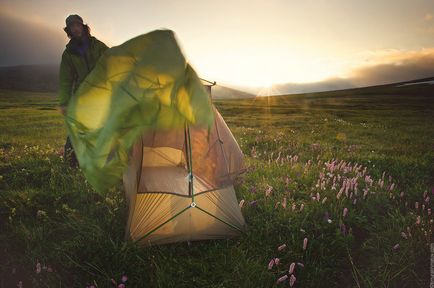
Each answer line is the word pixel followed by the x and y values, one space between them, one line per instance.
pixel 79 58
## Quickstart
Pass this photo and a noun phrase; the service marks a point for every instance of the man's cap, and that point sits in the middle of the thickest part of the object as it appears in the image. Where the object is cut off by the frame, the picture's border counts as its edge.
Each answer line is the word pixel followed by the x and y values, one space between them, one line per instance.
pixel 73 18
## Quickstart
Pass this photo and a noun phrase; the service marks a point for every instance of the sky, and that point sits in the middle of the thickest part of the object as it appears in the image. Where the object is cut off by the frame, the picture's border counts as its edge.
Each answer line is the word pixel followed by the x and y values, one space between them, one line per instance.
pixel 244 43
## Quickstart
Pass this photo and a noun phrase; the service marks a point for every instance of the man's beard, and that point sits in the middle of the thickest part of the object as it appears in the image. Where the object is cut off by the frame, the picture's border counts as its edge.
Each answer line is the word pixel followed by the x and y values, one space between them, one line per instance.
pixel 79 39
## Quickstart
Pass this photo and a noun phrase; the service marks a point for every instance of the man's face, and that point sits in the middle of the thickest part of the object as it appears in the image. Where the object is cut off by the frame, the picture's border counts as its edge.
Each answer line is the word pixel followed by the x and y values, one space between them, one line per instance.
pixel 76 30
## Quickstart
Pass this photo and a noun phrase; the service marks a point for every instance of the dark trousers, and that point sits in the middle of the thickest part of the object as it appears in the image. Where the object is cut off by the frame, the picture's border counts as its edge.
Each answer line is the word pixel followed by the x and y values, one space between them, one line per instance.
pixel 69 154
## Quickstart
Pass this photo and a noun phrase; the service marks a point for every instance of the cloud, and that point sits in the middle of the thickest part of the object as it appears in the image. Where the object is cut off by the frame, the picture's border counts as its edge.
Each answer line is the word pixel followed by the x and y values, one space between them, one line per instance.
pixel 28 40
pixel 395 66
pixel 428 17
pixel 381 67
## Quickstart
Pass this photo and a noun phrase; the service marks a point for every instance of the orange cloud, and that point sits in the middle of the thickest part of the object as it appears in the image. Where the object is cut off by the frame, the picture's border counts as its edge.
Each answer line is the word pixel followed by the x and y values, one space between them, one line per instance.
pixel 7 12
pixel 395 66
pixel 28 40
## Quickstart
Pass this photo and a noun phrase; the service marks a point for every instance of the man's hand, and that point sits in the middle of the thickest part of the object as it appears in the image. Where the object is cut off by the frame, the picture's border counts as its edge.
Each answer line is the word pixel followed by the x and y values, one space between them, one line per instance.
pixel 62 110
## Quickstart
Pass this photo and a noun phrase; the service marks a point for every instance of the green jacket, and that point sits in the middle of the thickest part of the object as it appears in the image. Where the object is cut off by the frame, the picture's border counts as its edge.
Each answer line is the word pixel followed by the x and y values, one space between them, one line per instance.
pixel 74 67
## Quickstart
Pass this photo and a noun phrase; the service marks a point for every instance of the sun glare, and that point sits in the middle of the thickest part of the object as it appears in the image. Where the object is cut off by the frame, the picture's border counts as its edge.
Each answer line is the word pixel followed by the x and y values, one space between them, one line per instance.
pixel 252 69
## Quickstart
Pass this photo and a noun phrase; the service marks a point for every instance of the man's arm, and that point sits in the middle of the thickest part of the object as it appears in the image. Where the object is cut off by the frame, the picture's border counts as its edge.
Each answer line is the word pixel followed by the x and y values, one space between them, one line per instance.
pixel 66 78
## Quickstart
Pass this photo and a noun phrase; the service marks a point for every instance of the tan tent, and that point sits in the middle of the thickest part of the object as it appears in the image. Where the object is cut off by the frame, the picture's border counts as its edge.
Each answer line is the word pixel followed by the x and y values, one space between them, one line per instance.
pixel 179 185
pixel 143 113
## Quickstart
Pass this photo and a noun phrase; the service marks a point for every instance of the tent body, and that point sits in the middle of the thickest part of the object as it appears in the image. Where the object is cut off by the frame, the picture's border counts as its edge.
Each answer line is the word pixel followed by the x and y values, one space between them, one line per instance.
pixel 179 185
pixel 142 114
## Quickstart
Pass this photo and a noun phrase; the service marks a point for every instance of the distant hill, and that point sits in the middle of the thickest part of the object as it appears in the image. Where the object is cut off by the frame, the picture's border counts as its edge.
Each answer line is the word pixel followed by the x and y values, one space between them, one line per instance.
pixel 332 84
pixel 222 92
pixel 419 87
pixel 44 78
pixel 39 78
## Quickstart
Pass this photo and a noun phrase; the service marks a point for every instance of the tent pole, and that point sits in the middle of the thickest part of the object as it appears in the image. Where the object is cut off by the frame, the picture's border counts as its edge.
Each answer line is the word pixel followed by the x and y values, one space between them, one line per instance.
pixel 187 152
pixel 190 167
pixel 221 220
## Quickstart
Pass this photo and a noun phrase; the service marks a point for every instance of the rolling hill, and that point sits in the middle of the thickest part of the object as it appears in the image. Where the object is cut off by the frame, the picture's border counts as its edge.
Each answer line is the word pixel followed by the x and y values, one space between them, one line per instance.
pixel 43 78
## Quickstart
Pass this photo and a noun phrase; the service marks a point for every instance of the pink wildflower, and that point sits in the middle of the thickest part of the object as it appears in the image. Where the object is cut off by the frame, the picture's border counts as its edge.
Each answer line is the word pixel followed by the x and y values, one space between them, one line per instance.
pixel 291 268
pixel 305 243
pixel 122 285
pixel 427 199
pixel 396 247
pixel 38 267
pixel 287 180
pixel 416 205
pixel 343 229
pixel 268 190
pixel 429 211
pixel 300 264
pixel 271 264
pixel 282 279
pixel 403 235
pixel 276 261
pixel 124 278
pixel 292 280
pixel 301 207
pixel 345 212
pixel 241 203
pixel 281 247
pixel 365 192
pixel 340 193
pixel 284 203
pixel 324 200
pixel 418 220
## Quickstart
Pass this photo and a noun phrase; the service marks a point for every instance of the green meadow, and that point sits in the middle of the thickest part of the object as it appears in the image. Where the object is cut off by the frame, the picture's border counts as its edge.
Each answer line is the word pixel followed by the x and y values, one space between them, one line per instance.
pixel 338 192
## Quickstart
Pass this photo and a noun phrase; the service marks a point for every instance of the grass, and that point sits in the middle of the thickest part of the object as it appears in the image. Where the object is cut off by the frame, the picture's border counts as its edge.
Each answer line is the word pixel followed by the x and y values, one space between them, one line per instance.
pixel 299 149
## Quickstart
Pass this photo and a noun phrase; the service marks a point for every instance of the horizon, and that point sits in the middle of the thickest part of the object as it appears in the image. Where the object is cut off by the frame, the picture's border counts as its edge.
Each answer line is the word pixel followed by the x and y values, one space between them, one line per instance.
pixel 248 43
